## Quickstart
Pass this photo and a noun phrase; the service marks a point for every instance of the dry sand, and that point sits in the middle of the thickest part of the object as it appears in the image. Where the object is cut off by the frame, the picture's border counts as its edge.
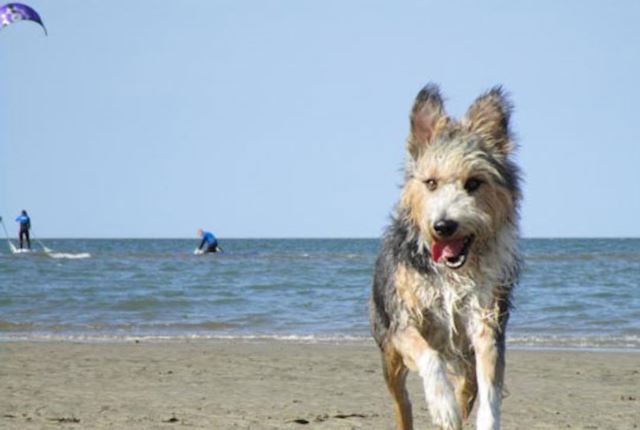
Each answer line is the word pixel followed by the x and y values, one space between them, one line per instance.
pixel 282 385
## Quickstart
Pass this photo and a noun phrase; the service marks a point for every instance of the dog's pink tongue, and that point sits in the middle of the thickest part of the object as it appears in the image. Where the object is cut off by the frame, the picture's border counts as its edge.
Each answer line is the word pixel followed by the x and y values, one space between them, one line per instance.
pixel 447 249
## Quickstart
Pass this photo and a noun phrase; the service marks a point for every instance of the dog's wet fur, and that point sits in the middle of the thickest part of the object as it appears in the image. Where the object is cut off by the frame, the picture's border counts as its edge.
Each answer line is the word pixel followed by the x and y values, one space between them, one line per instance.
pixel 448 262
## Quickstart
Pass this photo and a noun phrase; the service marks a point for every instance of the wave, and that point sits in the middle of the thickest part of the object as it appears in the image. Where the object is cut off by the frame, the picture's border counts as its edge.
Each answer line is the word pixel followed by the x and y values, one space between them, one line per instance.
pixel 629 343
pixel 46 252
pixel 12 326
pixel 114 338
pixel 626 342
pixel 69 256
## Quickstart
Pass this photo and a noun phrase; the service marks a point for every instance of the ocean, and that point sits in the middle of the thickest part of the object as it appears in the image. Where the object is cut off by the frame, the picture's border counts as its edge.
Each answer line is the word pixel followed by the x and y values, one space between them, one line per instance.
pixel 574 293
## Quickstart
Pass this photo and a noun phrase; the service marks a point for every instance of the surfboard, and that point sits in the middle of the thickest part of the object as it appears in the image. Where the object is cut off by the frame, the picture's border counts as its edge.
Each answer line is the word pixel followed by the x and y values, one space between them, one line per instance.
pixel 22 251
pixel 204 252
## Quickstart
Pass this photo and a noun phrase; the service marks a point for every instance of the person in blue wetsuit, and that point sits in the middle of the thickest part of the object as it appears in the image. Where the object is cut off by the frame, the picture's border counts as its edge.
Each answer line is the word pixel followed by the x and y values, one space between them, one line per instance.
pixel 209 240
pixel 25 225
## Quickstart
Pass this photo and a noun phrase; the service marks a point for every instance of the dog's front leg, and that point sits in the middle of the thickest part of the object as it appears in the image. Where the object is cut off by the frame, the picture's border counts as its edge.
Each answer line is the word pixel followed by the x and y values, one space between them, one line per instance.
pixel 438 389
pixel 489 348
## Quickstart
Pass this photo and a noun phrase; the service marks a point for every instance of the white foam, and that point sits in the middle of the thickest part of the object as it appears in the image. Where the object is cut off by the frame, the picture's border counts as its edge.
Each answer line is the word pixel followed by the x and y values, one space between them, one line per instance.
pixel 50 253
pixel 69 256
pixel 22 251
pixel 626 342
pixel 125 338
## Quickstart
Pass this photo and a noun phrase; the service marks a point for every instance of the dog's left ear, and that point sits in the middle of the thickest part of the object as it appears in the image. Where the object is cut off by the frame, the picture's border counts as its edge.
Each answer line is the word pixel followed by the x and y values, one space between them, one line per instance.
pixel 489 117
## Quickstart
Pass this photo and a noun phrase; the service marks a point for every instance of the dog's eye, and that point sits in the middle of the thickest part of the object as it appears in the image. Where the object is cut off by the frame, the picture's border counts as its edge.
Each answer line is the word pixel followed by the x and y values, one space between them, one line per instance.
pixel 431 184
pixel 472 184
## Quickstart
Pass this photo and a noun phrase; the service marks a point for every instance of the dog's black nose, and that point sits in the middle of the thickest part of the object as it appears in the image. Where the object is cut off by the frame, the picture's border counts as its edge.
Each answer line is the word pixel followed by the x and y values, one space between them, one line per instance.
pixel 445 227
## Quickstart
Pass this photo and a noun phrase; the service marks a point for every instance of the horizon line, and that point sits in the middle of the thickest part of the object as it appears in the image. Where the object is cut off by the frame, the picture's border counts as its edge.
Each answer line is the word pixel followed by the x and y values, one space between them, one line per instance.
pixel 305 238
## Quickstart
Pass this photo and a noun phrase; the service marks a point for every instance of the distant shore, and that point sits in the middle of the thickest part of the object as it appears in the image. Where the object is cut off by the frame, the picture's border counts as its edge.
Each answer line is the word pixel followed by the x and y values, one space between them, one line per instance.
pixel 285 385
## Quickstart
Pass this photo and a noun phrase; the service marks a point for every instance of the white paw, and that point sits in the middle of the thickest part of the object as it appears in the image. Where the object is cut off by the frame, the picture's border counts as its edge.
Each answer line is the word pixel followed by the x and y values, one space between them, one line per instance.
pixel 439 393
pixel 448 418
pixel 486 419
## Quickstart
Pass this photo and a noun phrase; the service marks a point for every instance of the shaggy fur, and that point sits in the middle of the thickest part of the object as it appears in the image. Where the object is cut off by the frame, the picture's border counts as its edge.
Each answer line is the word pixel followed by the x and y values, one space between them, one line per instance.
pixel 440 299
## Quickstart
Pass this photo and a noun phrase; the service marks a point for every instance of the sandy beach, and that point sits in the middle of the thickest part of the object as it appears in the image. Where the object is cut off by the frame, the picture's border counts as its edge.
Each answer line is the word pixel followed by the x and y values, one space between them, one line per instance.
pixel 284 385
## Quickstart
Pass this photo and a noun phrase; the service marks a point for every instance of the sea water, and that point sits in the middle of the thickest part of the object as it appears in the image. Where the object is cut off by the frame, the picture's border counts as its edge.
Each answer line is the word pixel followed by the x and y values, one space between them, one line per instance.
pixel 581 293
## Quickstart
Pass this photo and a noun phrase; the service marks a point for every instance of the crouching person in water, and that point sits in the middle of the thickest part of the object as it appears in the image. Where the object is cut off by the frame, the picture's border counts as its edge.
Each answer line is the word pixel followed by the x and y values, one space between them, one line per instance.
pixel 25 224
pixel 209 240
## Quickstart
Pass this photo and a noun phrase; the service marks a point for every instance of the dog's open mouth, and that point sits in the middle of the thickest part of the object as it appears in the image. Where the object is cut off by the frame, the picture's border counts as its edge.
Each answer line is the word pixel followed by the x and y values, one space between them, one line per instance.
pixel 452 252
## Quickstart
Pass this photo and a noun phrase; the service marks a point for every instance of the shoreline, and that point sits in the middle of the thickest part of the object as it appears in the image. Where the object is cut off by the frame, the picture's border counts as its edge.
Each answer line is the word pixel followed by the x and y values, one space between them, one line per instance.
pixel 517 345
pixel 285 385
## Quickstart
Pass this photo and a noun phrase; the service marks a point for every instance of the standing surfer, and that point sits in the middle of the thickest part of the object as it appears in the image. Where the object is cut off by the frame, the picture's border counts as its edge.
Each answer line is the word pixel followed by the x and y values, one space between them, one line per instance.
pixel 25 225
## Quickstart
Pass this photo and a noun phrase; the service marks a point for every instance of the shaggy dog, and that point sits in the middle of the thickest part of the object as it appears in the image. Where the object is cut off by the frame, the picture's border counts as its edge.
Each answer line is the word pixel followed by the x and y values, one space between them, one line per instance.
pixel 448 262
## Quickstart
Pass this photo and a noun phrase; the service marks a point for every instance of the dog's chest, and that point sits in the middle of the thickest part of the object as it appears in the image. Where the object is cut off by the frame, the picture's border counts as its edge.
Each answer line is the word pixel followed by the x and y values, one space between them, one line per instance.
pixel 445 306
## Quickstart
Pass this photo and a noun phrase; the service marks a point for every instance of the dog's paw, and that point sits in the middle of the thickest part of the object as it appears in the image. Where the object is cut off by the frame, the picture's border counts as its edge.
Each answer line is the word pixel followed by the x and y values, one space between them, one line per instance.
pixel 487 420
pixel 446 417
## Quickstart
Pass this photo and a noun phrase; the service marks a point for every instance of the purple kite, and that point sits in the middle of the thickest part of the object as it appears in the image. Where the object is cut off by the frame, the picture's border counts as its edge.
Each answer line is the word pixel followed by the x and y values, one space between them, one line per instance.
pixel 13 12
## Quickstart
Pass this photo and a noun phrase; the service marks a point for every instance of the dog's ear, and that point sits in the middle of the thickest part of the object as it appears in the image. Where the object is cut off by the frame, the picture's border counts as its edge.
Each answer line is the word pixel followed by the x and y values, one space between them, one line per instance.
pixel 427 116
pixel 489 117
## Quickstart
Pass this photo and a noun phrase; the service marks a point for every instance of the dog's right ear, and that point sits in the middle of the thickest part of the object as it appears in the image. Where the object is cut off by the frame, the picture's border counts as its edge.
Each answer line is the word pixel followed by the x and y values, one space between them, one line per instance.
pixel 427 116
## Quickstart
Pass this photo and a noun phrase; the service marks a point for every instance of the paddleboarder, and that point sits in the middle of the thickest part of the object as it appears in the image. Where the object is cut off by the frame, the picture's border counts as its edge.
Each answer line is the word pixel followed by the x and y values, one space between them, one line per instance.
pixel 25 225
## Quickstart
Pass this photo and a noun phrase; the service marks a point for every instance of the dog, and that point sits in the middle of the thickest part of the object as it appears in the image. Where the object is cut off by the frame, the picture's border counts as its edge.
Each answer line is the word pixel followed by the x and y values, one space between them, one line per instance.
pixel 448 262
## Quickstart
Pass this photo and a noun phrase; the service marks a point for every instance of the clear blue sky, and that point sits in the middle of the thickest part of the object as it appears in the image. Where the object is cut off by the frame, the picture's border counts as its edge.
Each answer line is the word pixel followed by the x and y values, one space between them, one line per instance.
pixel 288 119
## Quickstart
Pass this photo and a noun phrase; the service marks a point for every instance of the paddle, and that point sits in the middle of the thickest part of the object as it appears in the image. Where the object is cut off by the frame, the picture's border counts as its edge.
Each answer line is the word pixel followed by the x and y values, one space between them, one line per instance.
pixel 11 246
pixel 46 250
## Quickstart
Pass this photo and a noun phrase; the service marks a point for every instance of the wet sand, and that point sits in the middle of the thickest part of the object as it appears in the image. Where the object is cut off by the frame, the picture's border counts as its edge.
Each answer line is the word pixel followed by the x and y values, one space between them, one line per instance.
pixel 285 385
